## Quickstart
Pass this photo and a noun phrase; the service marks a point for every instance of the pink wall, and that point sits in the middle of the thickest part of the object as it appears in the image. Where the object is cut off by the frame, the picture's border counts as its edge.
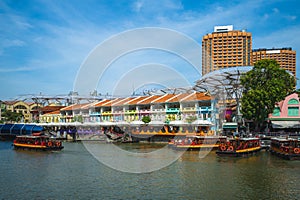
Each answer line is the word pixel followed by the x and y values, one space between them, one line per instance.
pixel 283 105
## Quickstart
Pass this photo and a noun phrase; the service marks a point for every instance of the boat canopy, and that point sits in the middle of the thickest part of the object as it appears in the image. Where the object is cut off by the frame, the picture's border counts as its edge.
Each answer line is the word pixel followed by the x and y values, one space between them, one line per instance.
pixel 19 129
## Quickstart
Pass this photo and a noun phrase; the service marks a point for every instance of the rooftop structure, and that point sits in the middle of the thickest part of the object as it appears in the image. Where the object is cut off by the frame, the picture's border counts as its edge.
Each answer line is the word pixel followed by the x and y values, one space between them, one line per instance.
pixel 225 48
pixel 286 57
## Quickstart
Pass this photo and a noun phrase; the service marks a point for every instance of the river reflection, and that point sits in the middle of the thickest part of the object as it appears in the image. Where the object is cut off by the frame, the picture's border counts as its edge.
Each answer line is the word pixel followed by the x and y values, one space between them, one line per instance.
pixel 74 174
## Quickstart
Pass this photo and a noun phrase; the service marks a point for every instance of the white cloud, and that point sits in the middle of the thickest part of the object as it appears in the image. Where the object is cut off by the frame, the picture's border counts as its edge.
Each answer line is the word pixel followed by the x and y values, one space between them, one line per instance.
pixel 16 69
pixel 138 5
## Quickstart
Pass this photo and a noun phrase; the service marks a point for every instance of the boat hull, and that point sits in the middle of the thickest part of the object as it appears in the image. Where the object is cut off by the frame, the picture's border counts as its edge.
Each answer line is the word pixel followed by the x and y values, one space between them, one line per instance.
pixel 239 153
pixel 287 156
pixel 37 147
pixel 195 147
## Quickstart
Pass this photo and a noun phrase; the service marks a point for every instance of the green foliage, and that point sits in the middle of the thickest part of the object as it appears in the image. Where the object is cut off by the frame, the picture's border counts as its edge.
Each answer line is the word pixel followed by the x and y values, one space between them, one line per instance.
pixel 264 86
pixel 146 119
pixel 9 116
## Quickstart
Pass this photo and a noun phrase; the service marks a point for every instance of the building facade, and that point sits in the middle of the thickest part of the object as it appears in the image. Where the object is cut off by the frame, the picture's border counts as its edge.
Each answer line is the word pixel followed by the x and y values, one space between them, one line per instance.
pixel 286 114
pixel 286 57
pixel 27 110
pixel 226 48
pixel 164 108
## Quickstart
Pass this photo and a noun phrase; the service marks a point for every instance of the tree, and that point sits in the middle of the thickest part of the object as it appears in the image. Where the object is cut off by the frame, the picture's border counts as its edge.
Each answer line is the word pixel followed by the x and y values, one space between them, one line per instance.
pixel 264 86
pixel 9 116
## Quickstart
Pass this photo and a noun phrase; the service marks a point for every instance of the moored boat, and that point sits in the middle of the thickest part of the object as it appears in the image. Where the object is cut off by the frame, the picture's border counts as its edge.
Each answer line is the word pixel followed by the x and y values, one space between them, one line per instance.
pixel 37 142
pixel 287 148
pixel 165 132
pixel 239 147
pixel 196 142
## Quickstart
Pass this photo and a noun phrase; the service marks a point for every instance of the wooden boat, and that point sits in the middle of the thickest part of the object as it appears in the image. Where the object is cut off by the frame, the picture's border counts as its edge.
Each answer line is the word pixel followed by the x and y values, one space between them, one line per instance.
pixel 165 133
pixel 287 148
pixel 196 142
pixel 37 142
pixel 239 147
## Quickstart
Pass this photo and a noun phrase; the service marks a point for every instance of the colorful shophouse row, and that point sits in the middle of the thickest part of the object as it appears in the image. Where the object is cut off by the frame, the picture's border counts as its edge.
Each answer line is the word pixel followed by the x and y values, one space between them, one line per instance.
pixel 168 107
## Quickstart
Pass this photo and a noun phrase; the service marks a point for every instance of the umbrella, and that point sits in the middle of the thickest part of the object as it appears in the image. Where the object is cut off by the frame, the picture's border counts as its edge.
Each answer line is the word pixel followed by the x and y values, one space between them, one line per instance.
pixel 202 122
pixel 137 123
pixel 177 122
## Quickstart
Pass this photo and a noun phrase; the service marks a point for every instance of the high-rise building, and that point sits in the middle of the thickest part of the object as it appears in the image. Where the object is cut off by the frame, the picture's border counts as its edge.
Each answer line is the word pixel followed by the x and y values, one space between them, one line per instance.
pixel 286 57
pixel 226 48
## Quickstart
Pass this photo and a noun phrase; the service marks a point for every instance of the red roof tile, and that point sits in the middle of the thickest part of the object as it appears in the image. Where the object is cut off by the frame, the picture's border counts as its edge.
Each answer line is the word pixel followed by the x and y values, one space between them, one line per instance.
pixel 148 100
pixel 57 112
pixel 177 98
pixel 122 101
pixel 163 98
pixel 99 104
pixel 108 103
pixel 197 97
pixel 74 107
pixel 136 100
pixel 48 109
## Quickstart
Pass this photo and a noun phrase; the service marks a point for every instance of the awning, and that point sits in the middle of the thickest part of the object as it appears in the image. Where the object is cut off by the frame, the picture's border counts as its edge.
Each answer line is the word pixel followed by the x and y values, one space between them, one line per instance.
pixel 229 125
pixel 286 124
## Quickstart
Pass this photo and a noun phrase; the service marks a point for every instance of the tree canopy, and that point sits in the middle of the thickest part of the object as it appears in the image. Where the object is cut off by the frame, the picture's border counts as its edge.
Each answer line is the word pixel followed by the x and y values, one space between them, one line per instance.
pixel 264 86
pixel 9 116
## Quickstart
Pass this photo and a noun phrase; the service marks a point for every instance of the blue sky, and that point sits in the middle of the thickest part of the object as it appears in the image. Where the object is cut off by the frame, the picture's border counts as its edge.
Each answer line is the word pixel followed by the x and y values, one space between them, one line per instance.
pixel 44 43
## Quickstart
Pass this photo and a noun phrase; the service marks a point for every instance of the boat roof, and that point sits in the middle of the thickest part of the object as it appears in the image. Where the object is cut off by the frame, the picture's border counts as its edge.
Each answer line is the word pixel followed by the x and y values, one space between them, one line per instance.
pixel 32 136
pixel 284 139
pixel 245 139
pixel 206 137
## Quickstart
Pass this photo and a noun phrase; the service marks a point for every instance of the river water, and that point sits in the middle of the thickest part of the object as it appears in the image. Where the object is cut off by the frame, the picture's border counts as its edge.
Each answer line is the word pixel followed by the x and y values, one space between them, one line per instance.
pixel 74 173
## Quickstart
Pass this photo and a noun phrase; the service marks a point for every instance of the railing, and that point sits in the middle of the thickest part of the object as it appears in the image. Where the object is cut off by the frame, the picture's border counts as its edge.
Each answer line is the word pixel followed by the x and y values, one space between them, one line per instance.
pixel 144 111
pixel 158 110
pixel 95 113
pixel 130 112
pixel 174 110
pixel 106 113
pixel 189 109
pixel 276 134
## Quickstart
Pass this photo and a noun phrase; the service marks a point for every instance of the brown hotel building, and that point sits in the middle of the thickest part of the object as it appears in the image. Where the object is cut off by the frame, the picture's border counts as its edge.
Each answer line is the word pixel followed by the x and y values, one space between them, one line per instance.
pixel 226 48
pixel 285 57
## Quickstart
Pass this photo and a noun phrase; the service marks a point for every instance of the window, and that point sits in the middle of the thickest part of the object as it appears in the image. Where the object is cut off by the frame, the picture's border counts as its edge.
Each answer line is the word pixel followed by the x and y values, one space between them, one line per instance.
pixel 276 112
pixel 293 111
pixel 293 102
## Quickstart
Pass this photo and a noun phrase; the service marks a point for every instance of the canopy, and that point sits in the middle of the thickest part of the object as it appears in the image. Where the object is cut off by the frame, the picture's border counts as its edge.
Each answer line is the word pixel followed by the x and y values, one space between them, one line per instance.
pixel 178 122
pixel 286 124
pixel 202 122
pixel 20 129
pixel 229 125
pixel 137 123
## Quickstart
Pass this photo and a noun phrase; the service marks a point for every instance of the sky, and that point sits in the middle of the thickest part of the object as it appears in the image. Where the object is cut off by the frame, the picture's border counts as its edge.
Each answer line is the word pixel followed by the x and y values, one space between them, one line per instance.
pixel 45 45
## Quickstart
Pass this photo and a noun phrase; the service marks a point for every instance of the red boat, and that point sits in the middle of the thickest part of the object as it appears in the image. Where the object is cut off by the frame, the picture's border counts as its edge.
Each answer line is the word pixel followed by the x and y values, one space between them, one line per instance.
pixel 239 147
pixel 37 142
pixel 287 148
pixel 196 142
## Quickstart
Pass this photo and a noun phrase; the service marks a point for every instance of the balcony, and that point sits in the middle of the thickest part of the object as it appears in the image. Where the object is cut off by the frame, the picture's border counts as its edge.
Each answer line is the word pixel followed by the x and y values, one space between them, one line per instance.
pixel 158 110
pixel 118 112
pixel 130 112
pixel 173 110
pixel 204 109
pixel 106 113
pixel 95 113
pixel 144 111
pixel 189 109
